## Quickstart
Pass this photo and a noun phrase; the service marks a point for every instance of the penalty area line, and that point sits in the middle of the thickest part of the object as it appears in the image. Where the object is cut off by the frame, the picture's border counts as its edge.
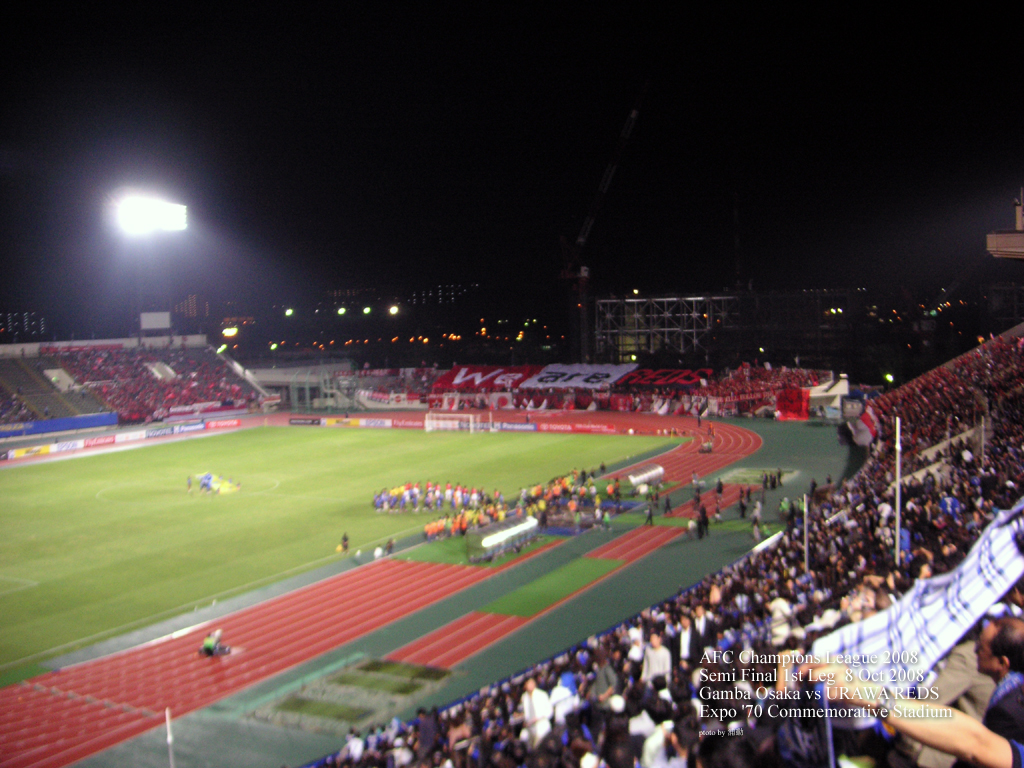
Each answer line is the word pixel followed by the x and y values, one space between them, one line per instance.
pixel 11 584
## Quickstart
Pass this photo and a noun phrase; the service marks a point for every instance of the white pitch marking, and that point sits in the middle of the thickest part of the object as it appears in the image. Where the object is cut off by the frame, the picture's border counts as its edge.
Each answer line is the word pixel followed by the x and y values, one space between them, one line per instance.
pixel 19 585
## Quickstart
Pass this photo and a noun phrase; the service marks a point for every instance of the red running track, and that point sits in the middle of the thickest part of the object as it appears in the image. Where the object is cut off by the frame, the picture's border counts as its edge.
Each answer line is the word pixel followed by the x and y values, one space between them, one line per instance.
pixel 730 444
pixel 64 716
pixel 638 543
pixel 730 495
pixel 460 639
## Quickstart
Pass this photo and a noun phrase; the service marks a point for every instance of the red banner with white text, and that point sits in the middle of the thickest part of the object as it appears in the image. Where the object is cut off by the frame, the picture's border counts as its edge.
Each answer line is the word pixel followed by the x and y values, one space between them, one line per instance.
pixel 484 378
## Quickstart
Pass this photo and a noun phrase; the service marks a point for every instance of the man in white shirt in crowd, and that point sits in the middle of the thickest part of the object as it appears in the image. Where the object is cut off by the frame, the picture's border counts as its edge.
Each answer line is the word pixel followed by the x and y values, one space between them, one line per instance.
pixel 657 661
pixel 537 712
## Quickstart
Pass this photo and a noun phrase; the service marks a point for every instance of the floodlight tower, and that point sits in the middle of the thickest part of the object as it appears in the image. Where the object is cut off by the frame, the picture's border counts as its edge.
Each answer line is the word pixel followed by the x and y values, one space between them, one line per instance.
pixel 142 216
pixel 138 215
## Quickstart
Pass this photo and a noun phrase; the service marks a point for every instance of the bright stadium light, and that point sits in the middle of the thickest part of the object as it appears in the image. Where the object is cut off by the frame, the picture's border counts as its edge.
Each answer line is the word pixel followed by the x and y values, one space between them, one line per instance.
pixel 138 215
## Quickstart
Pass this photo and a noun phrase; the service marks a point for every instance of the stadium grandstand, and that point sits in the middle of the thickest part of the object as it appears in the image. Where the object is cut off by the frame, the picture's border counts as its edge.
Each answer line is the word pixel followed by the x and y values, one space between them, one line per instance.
pixel 749 389
pixel 646 692
pixel 138 384
pixel 721 656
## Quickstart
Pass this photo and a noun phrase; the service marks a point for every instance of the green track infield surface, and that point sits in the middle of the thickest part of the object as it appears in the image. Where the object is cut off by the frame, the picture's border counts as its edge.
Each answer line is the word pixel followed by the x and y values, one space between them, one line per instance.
pixel 402 687
pixel 103 544
pixel 327 709
pixel 401 669
pixel 452 551
pixel 548 590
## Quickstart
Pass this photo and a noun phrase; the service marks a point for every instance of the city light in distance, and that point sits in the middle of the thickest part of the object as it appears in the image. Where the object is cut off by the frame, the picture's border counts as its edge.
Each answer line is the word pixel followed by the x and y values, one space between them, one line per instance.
pixel 393 310
pixel 366 310
pixel 289 312
pixel 229 332
pixel 341 310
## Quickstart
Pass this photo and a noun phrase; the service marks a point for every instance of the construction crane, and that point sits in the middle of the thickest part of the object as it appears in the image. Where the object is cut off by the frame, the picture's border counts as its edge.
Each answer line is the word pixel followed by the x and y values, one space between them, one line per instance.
pixel 573 269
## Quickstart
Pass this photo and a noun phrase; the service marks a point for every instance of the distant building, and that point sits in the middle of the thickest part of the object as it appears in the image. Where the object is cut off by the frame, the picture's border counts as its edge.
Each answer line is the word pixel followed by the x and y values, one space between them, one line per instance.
pixel 22 326
pixel 443 294
pixel 193 307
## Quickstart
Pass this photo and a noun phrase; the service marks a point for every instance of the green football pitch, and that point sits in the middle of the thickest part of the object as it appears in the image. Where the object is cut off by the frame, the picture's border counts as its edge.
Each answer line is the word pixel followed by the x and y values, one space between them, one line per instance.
pixel 94 546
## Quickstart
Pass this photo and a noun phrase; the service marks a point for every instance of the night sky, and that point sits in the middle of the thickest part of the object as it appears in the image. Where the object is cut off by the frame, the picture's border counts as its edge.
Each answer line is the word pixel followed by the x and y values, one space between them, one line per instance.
pixel 410 145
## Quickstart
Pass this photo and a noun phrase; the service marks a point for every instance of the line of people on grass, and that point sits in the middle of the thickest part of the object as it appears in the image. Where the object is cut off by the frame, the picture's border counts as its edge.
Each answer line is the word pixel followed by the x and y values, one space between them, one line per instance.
pixel 562 500
pixel 412 496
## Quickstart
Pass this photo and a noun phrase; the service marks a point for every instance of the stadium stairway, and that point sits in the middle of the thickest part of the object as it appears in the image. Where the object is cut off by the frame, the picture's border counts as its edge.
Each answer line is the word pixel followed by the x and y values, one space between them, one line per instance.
pixel 33 389
pixel 83 400
pixel 26 377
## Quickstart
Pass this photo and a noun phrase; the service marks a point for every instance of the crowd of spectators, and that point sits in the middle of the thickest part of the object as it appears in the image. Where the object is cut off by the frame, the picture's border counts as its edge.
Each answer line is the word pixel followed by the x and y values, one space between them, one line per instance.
pixel 946 401
pixel 380 385
pixel 640 693
pixel 126 381
pixel 753 381
pixel 12 409
pixel 747 383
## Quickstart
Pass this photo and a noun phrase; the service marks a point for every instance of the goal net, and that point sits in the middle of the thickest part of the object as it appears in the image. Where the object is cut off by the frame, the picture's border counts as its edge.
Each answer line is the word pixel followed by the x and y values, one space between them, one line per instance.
pixel 452 422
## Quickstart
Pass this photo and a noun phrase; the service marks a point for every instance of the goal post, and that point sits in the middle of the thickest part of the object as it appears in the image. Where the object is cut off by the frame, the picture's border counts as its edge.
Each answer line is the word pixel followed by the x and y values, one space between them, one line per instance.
pixel 452 422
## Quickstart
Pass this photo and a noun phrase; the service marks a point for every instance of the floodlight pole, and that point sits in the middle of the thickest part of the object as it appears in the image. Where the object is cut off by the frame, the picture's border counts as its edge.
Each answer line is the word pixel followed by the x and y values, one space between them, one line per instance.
pixel 807 567
pixel 899 461
pixel 140 215
pixel 170 736
pixel 138 308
